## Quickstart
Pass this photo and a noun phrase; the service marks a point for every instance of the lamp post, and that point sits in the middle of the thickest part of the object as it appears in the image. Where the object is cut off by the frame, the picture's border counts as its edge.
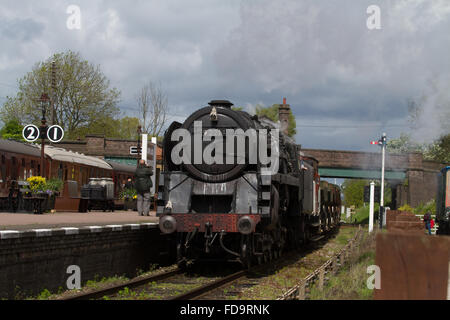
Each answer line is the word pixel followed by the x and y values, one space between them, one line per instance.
pixel 139 131
pixel 44 100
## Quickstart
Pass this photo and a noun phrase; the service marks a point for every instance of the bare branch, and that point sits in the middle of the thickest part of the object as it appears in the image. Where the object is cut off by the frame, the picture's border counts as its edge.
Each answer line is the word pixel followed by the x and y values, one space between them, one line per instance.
pixel 153 108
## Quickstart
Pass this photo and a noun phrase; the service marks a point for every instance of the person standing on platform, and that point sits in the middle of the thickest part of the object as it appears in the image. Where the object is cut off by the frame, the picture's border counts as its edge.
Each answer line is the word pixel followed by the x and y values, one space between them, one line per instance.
pixel 143 183
pixel 427 220
pixel 129 184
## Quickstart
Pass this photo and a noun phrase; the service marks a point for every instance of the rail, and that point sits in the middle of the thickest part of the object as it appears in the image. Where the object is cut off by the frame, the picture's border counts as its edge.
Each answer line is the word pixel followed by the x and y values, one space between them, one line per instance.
pixel 116 288
pixel 204 290
pixel 298 292
pixel 198 292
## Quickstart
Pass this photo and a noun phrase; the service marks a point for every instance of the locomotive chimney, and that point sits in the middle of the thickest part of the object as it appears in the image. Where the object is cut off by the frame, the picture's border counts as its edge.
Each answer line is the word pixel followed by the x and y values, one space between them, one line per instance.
pixel 220 103
pixel 283 115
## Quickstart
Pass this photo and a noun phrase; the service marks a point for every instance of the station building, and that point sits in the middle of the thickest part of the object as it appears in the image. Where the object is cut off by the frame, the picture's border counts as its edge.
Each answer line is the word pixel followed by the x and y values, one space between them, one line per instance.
pixel 113 150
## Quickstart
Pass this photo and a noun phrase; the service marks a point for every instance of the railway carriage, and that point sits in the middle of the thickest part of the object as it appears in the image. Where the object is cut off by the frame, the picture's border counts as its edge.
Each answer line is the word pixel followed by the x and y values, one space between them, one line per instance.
pixel 20 161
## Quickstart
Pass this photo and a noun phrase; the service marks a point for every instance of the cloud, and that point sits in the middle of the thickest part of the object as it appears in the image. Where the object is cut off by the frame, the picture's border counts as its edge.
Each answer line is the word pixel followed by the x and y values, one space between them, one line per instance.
pixel 322 56
pixel 319 54
pixel 295 46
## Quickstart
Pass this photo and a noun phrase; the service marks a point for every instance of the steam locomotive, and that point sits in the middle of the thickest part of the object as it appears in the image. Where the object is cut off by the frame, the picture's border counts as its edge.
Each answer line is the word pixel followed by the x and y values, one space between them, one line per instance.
pixel 225 203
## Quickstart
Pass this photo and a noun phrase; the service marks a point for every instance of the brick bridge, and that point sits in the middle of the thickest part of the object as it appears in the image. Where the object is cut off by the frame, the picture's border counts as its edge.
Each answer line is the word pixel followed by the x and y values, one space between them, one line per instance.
pixel 412 179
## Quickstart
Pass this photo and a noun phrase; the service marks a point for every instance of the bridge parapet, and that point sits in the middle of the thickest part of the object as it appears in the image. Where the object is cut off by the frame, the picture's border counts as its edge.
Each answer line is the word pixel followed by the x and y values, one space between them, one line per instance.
pixel 413 179
pixel 364 160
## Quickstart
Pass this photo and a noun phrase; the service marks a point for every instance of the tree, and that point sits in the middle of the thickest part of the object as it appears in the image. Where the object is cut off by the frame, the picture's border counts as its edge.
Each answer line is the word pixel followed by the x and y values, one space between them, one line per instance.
pixel 153 108
pixel 122 128
pixel 127 128
pixel 440 150
pixel 403 144
pixel 353 190
pixel 272 114
pixel 12 130
pixel 83 97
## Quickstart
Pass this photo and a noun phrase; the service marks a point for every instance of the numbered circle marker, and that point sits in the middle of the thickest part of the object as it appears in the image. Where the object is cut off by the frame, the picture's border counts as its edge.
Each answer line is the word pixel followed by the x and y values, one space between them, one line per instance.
pixel 30 133
pixel 55 133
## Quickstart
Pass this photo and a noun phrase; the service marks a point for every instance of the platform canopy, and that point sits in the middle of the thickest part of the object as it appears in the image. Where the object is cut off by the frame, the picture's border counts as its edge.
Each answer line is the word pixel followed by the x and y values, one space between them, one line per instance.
pixel 360 174
pixel 129 161
pixel 120 167
pixel 12 146
pixel 60 154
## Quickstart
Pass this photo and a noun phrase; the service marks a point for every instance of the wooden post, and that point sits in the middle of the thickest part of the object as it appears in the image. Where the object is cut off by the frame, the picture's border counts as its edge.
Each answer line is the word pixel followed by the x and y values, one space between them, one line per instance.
pixel 321 278
pixel 334 265
pixel 301 291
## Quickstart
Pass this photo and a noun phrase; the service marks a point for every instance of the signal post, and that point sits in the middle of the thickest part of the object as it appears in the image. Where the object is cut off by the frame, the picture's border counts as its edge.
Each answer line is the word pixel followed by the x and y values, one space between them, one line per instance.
pixel 382 143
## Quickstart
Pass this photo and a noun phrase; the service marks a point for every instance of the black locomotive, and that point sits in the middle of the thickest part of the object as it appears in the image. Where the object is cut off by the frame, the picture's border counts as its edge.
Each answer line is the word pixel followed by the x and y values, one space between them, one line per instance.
pixel 228 204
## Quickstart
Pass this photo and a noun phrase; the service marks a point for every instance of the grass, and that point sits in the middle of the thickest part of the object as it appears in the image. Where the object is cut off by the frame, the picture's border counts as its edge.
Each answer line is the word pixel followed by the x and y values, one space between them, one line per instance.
pixel 100 282
pixel 154 291
pixel 44 295
pixel 97 283
pixel 273 285
pixel 344 236
pixel 361 215
pixel 351 281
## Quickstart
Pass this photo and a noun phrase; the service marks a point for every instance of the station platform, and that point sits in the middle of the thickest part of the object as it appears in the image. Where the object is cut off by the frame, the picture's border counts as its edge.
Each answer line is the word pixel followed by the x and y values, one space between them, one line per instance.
pixel 27 221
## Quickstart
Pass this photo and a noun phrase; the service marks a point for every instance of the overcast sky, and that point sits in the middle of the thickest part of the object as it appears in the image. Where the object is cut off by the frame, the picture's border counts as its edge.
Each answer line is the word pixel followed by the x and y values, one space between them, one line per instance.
pixel 346 84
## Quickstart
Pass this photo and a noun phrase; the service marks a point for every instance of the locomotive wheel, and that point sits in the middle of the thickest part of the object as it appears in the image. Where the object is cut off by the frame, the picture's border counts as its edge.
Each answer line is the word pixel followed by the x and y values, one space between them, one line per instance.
pixel 246 256
pixel 181 261
pixel 307 234
pixel 323 222
pixel 304 231
pixel 260 260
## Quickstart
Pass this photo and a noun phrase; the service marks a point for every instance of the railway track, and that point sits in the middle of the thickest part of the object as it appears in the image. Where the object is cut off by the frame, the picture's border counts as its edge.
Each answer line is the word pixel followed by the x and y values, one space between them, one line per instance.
pixel 203 289
pixel 99 293
pixel 206 289
pixel 233 288
pixel 177 276
pixel 299 292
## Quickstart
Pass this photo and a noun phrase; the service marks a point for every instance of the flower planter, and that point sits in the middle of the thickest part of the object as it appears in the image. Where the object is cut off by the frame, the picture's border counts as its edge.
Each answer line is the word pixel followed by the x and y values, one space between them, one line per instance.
pixel 51 202
pixel 40 195
pixel 130 204
pixel 39 202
